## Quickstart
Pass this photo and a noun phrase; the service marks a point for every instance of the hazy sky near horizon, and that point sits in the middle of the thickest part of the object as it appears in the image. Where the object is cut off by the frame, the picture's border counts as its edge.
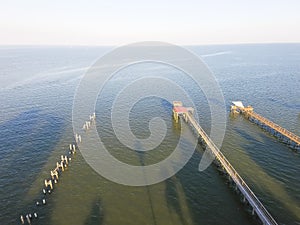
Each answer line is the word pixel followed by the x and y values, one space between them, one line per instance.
pixel 117 22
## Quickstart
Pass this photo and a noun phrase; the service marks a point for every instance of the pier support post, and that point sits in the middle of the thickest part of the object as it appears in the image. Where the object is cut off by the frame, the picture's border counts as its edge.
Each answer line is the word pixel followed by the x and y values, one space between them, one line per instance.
pixel 22 219
pixel 64 159
pixel 74 149
pixel 244 199
pixel 235 187
pixel 60 165
pixel 48 183
pixel 175 115
pixel 185 117
pixel 53 174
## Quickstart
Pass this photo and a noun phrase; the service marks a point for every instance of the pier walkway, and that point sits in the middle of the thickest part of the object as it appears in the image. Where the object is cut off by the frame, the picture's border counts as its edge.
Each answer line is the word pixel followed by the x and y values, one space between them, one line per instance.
pixel 292 139
pixel 257 206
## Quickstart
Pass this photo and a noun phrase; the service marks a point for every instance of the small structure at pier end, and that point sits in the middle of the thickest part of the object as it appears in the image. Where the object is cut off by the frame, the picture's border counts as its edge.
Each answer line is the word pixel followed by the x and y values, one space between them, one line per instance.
pixel 179 110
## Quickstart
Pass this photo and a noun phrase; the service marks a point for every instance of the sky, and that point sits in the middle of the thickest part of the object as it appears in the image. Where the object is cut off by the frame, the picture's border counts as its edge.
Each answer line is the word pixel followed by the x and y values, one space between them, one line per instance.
pixel 118 22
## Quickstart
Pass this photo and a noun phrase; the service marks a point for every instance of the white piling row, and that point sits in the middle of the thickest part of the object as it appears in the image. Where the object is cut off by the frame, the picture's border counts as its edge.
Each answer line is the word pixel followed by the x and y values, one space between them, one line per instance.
pixel 28 217
pixel 59 168
pixel 87 124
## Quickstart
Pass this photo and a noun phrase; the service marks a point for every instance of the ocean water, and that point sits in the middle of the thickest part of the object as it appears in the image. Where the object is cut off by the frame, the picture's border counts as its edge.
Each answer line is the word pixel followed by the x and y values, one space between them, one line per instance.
pixel 37 87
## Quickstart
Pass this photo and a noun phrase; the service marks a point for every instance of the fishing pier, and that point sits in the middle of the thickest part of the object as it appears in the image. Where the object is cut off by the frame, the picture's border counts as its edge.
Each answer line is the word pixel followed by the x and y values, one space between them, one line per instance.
pixel 283 134
pixel 248 195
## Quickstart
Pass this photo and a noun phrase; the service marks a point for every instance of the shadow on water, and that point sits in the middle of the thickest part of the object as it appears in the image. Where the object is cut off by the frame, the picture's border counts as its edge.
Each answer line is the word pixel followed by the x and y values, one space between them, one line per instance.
pixel 269 175
pixel 246 136
pixel 208 193
pixel 29 133
pixel 27 141
pixel 141 156
pixel 172 198
pixel 204 193
pixel 166 105
pixel 96 216
pixel 183 178
pixel 268 146
pixel 265 136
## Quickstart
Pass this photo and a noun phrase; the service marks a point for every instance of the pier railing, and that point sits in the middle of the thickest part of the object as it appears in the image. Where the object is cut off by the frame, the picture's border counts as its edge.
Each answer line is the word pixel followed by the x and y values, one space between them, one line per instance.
pixel 293 137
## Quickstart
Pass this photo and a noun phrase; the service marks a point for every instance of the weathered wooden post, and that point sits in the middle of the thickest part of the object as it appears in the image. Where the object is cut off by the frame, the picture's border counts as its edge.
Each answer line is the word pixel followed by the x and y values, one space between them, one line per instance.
pixel 54 173
pixel 48 183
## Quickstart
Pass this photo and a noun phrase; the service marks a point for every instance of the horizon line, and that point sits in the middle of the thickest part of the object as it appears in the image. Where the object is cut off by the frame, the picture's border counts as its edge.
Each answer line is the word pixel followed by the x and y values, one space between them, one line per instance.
pixel 116 45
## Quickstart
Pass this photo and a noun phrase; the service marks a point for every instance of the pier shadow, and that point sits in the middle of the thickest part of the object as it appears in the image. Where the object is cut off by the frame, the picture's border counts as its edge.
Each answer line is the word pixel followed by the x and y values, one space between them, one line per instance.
pixel 166 105
pixel 27 140
pixel 245 135
pixel 96 216
pixel 172 198
pixel 255 148
pixel 194 188
pixel 141 156
pixel 183 181
pixel 202 210
pixel 268 145
pixel 264 143
pixel 30 136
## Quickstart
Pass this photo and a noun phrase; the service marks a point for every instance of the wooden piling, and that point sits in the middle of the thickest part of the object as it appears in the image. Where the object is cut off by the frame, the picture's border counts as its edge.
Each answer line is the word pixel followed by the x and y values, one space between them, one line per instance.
pixel 54 174
pixel 48 183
